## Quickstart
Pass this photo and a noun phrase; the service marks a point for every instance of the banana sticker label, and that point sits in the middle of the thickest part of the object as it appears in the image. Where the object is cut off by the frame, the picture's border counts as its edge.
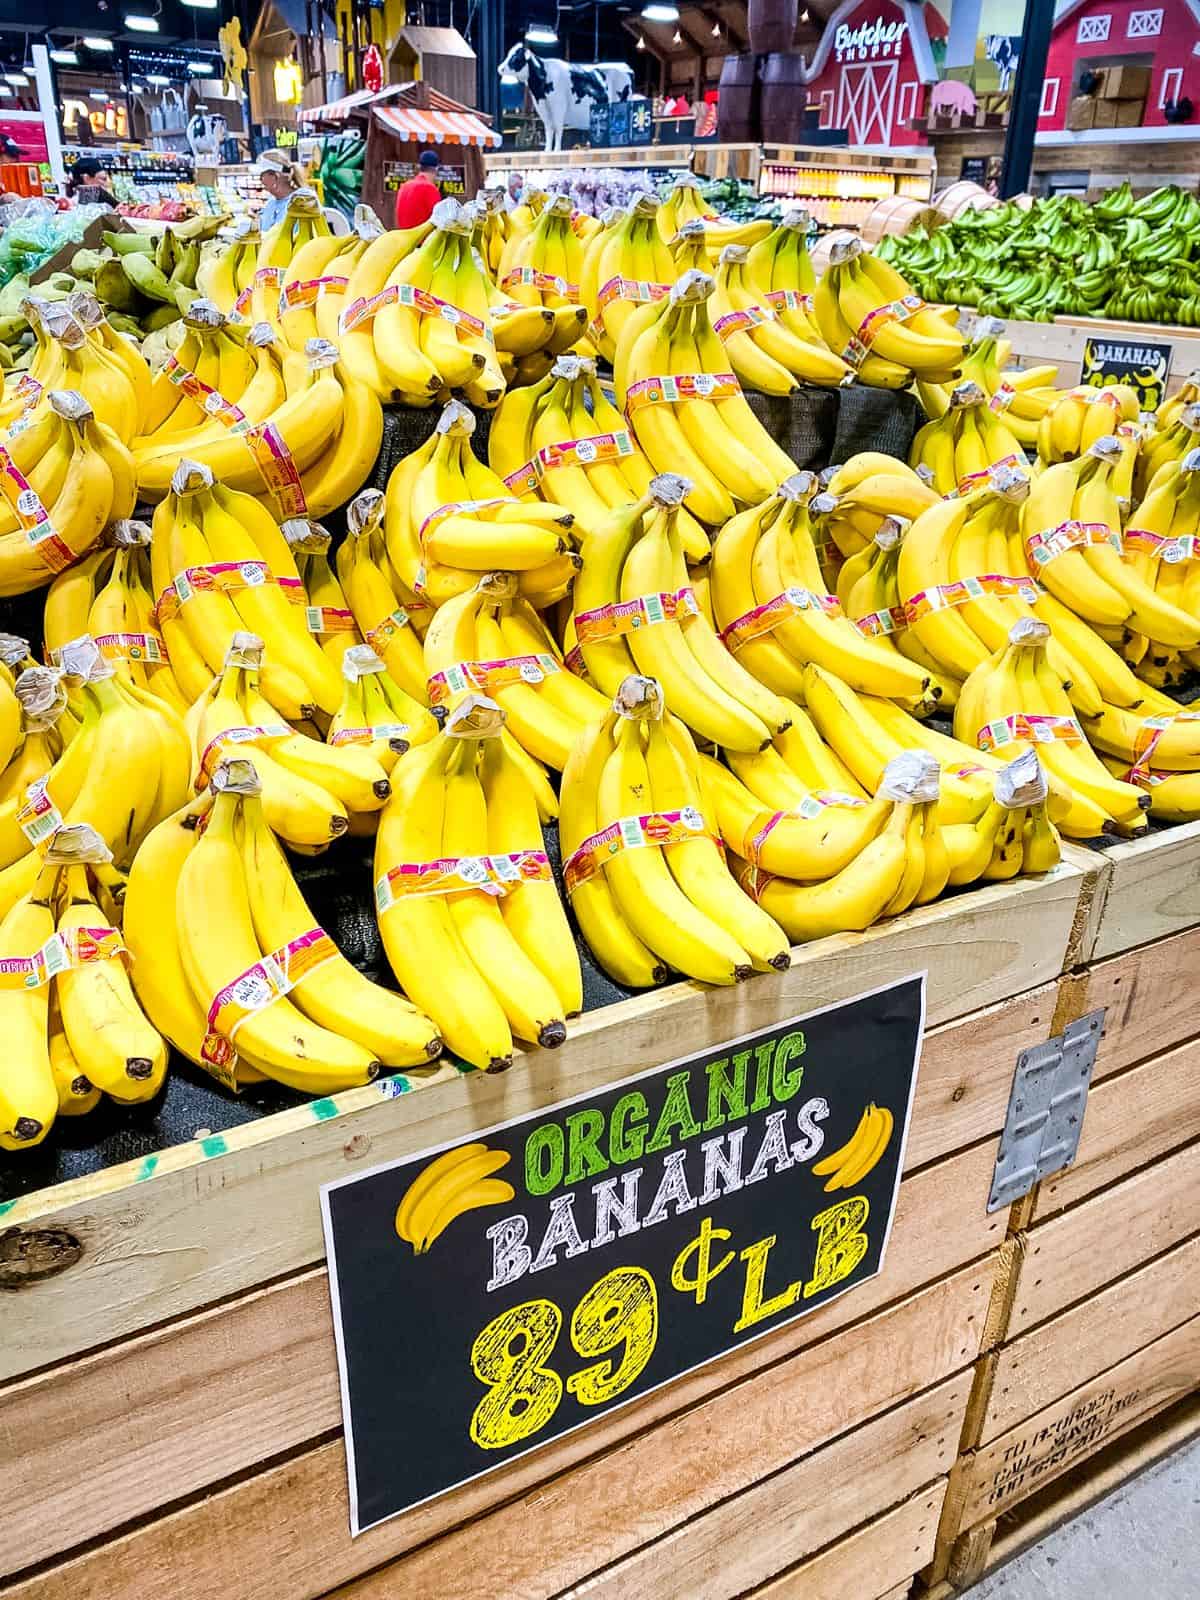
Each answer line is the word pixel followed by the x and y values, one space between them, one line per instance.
pixel 498 1293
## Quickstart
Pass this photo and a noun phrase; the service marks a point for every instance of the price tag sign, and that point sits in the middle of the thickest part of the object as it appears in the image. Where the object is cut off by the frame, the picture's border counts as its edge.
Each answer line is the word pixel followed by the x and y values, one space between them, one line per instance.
pixel 1142 364
pixel 495 1294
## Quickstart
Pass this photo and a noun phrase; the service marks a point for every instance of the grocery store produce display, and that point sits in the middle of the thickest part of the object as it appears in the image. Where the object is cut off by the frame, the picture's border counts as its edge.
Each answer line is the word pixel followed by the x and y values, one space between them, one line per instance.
pixel 1121 257
pixel 632 694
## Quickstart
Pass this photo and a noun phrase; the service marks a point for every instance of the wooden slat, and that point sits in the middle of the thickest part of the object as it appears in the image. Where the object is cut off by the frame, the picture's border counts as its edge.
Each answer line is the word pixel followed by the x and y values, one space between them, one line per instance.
pixel 1075 1426
pixel 877 1556
pixel 1129 1120
pixel 1154 889
pixel 1149 995
pixel 1074 1254
pixel 213 1221
pixel 744 1540
pixel 1047 1362
pixel 284 1533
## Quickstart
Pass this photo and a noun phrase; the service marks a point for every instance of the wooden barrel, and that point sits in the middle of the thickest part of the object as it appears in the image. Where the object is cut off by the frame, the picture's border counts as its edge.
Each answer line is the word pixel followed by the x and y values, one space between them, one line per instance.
pixel 738 101
pixel 962 196
pixel 771 25
pixel 784 97
pixel 820 252
pixel 896 215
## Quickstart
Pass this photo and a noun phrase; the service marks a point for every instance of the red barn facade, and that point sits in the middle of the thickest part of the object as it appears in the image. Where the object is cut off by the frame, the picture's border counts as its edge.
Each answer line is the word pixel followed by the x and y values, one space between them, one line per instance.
pixel 1161 34
pixel 870 69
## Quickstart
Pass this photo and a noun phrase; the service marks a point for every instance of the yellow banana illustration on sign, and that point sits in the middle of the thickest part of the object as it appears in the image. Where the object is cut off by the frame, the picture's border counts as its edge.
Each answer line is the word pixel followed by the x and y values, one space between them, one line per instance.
pixel 458 1181
pixel 861 1153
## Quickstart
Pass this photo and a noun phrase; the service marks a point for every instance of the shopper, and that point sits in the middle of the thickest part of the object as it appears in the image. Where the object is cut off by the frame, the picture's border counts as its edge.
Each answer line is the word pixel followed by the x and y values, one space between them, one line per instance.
pixel 416 199
pixel 87 184
pixel 280 178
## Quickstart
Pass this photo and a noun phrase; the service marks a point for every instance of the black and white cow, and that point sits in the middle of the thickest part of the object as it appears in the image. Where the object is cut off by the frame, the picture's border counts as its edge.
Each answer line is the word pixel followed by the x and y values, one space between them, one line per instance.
pixel 1004 51
pixel 562 93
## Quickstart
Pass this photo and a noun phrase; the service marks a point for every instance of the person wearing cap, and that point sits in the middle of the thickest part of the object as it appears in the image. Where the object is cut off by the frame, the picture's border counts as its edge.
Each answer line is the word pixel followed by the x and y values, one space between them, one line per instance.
pixel 87 186
pixel 416 199
pixel 280 178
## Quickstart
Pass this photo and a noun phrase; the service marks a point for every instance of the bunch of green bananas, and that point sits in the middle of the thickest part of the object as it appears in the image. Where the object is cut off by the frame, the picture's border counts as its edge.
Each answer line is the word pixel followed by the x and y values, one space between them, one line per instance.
pixel 1121 257
pixel 341 170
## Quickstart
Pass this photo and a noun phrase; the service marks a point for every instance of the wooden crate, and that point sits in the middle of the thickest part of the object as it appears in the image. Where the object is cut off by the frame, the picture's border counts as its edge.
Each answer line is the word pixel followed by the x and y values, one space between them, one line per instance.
pixel 171 1328
pixel 1062 341
pixel 1149 888
pixel 1100 1328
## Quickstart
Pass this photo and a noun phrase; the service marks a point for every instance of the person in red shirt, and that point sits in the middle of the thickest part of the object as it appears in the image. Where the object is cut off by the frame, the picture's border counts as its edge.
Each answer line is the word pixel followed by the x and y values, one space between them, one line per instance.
pixel 416 199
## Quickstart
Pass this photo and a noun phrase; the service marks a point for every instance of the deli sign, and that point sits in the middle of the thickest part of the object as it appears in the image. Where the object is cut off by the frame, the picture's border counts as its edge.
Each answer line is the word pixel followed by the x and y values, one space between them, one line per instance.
pixel 872 41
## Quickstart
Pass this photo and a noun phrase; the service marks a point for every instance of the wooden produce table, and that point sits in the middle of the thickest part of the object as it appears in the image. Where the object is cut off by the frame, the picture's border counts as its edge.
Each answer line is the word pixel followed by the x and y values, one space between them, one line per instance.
pixel 168 1377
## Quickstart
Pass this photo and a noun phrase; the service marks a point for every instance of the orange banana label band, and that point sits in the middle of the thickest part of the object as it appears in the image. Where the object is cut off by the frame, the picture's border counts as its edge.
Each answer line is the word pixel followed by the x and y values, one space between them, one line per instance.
pixel 484 677
pixel 632 833
pixel 790 603
pixel 258 987
pixel 1028 728
pixel 626 616
pixel 494 875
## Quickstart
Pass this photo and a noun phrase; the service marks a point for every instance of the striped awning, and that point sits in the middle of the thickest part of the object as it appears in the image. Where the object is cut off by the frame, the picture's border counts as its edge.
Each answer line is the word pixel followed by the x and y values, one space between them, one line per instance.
pixel 336 110
pixel 436 127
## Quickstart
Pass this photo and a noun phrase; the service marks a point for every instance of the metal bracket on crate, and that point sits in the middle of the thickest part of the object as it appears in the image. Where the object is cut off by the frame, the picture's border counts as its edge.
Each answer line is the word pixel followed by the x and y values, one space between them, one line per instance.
pixel 1045 1109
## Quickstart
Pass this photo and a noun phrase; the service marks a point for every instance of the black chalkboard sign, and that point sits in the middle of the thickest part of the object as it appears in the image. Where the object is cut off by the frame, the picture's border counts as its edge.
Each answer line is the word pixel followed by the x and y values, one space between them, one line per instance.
pixel 501 1292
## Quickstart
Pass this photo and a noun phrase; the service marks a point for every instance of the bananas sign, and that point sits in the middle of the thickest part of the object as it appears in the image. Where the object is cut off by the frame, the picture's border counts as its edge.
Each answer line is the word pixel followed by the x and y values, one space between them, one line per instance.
pixel 1144 366
pixel 495 1294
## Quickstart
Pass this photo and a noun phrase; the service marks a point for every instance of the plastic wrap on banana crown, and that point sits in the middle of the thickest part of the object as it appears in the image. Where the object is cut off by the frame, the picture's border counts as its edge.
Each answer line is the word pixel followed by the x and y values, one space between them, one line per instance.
pixel 365 512
pixel 966 394
pixel 360 661
pixel 70 405
pixel 320 353
pixel 693 288
pixel 80 658
pixel 85 308
pixel 448 216
pixel 823 504
pixel 262 333
pixel 732 255
pixel 1028 631
pixel 798 487
pixel 925 474
pixel 76 844
pixel 798 220
pixel 130 534
pixel 203 314
pixel 986 328
pixel 1022 782
pixel 245 650
pixel 890 532
pixel 303 203
pixel 456 420
pixel 475 717
pixel 571 367
pixel 640 699
pixel 911 778
pixel 13 650
pixel 1190 462
pixel 43 697
pixel 491 200
pixel 498 585
pixel 1190 416
pixel 242 231
pixel 305 537
pixel 1107 448
pixel 191 477
pixel 236 775
pixel 367 224
pixel 60 323
pixel 669 490
pixel 843 248
pixel 642 205
pixel 1013 483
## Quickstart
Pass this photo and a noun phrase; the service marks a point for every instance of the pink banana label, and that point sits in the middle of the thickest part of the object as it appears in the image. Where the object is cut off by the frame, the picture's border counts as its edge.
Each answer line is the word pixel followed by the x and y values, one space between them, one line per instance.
pixel 582 452
pixel 229 577
pixel 268 275
pixel 873 324
pixel 214 751
pixel 524 480
pixel 495 875
pixel 967 483
pixel 32 517
pixel 1002 399
pixel 39 819
pixel 1169 548
pixel 946 596
pixel 679 387
pixel 882 624
pixel 1027 728
pixel 381 635
pixel 485 677
pixel 35 971
pixel 791 603
pixel 210 400
pixel 631 833
pixel 323 621
pixel 1044 547
pixel 258 987
pixel 614 621
pixel 789 300
pixel 131 647
pixel 543 282
pixel 369 734
pixel 736 321
pixel 640 291
pixel 277 468
pixel 83 945
pixel 416 299
pixel 1149 736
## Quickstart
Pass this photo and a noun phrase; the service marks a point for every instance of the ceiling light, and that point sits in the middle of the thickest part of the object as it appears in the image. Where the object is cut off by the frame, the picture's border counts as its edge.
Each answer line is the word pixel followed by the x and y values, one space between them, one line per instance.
pixel 202 69
pixel 641 44
pixel 656 12
pixel 540 33
pixel 65 58
pixel 201 5
pixel 98 44
pixel 99 94
pixel 18 78
pixel 676 37
pixel 141 24
pixel 158 79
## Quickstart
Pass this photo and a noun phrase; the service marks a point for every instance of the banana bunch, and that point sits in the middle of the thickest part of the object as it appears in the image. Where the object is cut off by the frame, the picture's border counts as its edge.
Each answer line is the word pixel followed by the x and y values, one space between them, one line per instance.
pixel 492 642
pixel 626 263
pixel 847 1166
pixel 564 440
pixel 1072 525
pixel 984 357
pixel 493 226
pixel 83 478
pixel 329 617
pixel 302 222
pixel 309 452
pixel 454 1183
pixel 687 410
pixel 376 712
pixel 75 353
pixel 765 354
pixel 967 442
pixel 643 866
pixel 150 282
pixel 231 967
pixel 1162 544
pixel 107 595
pixel 430 321
pixel 468 909
pixel 1081 416
pixel 686 204
pixel 1157 749
pixel 782 271
pixel 635 611
pixel 867 491
pixel 1015 699
pixel 226 271
pixel 215 357
pixel 74 1027
pixel 391 618
pixel 367 292
pixel 312 291
pixel 311 792
pixel 1176 434
pixel 774 614
pixel 869 314
pixel 543 268
pixel 523 331
pixel 449 518
pixel 220 565
pixel 124 761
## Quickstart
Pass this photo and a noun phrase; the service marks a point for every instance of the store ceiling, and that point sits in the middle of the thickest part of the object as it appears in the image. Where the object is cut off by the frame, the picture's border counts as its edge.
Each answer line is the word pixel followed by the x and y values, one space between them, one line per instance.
pixel 178 24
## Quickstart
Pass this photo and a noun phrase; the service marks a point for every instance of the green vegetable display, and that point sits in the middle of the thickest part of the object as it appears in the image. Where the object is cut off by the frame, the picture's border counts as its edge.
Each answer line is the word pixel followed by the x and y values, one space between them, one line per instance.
pixel 341 170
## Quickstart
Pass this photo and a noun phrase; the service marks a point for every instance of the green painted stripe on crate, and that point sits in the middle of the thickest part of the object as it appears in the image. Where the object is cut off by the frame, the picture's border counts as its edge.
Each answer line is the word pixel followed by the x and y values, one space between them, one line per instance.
pixel 214 1145
pixel 6 1205
pixel 147 1169
pixel 322 1110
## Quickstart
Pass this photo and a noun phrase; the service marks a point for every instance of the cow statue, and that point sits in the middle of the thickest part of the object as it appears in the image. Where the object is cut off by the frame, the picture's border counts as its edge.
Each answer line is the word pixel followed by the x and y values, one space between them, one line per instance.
pixel 1003 51
pixel 563 94
pixel 206 132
